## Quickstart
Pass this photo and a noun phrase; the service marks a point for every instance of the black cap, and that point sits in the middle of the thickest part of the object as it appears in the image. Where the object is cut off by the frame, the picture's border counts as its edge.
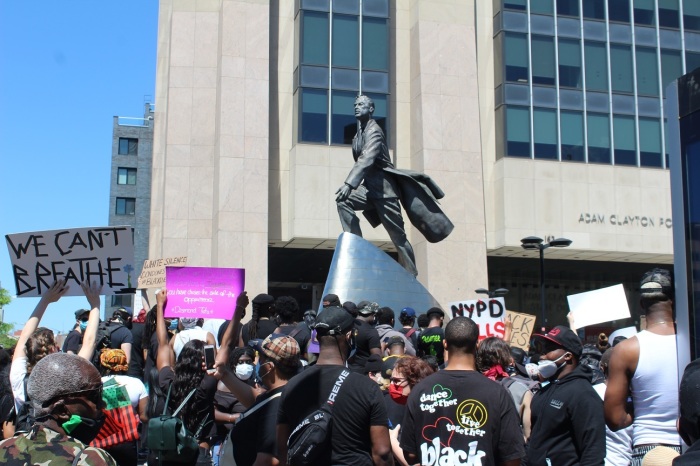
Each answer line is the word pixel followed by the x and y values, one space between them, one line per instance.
pixel 332 300
pixel 395 340
pixel 333 320
pixel 367 308
pixel 656 281
pixel 564 337
pixel 80 312
pixel 373 364
pixel 435 311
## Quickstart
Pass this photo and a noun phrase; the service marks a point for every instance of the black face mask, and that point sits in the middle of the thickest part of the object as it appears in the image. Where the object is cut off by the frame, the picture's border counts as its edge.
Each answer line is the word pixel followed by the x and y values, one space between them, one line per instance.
pixel 83 428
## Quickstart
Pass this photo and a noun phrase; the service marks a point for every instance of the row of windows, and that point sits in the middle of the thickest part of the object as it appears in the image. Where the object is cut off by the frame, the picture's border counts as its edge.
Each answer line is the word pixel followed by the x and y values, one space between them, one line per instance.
pixel 567 138
pixel 640 12
pixel 577 60
pixel 128 146
pixel 125 206
pixel 343 51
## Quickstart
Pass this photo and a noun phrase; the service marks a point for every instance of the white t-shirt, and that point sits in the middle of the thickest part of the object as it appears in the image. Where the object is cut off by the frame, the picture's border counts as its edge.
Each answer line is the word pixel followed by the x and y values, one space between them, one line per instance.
pixel 134 387
pixel 18 370
pixel 212 326
pixel 185 336
pixel 618 444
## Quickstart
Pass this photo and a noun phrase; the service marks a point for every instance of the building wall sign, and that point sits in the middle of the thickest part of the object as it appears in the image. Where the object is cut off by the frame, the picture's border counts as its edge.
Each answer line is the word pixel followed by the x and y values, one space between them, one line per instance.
pixel 642 221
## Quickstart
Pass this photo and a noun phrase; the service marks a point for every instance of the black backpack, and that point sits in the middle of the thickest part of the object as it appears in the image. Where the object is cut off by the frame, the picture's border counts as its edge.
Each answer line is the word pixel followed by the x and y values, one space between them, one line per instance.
pixel 103 339
pixel 25 414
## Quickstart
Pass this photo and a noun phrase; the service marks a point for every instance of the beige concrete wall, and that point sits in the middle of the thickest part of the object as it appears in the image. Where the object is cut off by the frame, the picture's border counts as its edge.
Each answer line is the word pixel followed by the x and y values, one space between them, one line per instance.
pixel 600 207
pixel 210 184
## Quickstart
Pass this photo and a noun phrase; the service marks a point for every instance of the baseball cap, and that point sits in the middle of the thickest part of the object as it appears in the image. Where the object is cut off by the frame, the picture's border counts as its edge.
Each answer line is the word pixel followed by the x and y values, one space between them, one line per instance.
pixel 395 340
pixel 80 312
pixel 332 300
pixel 435 311
pixel 656 281
pixel 282 349
pixel 333 320
pixel 407 312
pixel 367 308
pixel 126 309
pixel 565 337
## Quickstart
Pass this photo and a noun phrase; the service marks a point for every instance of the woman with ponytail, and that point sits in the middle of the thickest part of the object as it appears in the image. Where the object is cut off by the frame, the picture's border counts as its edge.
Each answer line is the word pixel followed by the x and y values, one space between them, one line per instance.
pixel 262 322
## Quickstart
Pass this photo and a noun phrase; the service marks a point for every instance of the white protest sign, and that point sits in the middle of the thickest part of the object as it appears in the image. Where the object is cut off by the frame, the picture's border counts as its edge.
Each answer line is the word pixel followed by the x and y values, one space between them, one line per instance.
pixel 153 271
pixel 102 254
pixel 488 315
pixel 597 306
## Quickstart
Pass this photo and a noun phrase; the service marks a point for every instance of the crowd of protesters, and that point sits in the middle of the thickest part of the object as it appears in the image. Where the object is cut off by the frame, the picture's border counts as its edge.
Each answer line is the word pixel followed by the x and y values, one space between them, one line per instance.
pixel 420 390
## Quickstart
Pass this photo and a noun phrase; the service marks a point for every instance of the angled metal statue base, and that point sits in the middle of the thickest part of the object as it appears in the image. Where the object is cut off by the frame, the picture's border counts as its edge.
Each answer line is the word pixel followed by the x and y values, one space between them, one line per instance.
pixel 361 271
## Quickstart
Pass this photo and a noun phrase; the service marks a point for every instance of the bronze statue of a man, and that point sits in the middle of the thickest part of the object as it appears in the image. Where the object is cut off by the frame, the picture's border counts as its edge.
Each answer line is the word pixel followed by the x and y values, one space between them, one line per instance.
pixel 377 188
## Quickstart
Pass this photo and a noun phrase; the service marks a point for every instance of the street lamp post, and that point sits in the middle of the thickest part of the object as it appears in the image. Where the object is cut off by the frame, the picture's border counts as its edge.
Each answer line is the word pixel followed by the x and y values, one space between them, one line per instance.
pixel 533 242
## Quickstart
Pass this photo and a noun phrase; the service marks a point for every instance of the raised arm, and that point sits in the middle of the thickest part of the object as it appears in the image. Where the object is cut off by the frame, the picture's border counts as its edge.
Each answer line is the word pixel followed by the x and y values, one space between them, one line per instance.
pixel 53 294
pixel 164 356
pixel 92 293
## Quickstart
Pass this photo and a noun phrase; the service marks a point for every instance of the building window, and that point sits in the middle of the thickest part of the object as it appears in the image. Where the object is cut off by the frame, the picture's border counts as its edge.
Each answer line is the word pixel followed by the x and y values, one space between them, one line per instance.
pixel 515 5
pixel 344 50
pixel 545 131
pixel 569 63
pixel 121 300
pixel 517 132
pixel 644 12
pixel 647 72
pixel 567 7
pixel 598 138
pixel 543 7
pixel 125 206
pixel 692 61
pixel 572 137
pixel 650 143
pixel 126 175
pixel 621 72
pixel 543 70
pixel 625 140
pixel 596 66
pixel 691 16
pixel 516 57
pixel 619 10
pixel 671 67
pixel 668 14
pixel 128 146
pixel 594 9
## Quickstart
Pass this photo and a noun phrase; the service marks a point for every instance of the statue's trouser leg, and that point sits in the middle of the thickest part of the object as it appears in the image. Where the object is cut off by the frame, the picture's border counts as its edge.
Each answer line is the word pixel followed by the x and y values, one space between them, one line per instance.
pixel 346 210
pixel 389 211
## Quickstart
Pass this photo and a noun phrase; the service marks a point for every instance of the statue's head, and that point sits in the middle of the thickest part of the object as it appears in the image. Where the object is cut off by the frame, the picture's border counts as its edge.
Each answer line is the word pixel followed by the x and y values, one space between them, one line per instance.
pixel 364 106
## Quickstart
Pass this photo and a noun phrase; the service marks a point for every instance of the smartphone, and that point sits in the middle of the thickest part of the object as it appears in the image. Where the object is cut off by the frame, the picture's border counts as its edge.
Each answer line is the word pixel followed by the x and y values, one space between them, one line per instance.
pixel 209 356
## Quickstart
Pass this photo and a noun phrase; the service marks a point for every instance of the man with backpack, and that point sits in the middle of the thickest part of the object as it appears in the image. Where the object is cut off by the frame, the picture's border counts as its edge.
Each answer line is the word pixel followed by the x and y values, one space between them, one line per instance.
pixel 359 433
pixel 115 334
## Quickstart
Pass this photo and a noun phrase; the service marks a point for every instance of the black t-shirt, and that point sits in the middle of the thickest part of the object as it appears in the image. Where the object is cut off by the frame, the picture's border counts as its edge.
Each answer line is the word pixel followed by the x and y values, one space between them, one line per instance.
pixel 265 328
pixel 301 334
pixel 136 363
pixel 394 410
pixel 358 406
pixel 430 343
pixel 461 417
pixel 366 339
pixel 257 429
pixel 73 342
pixel 120 335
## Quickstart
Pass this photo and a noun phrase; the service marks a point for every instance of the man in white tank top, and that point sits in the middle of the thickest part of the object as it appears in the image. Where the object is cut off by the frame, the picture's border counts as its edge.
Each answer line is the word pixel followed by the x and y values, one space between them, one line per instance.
pixel 644 366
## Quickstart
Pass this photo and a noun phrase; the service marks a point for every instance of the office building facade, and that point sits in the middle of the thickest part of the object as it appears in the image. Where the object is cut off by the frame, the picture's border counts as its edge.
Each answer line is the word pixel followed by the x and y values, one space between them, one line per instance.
pixel 536 118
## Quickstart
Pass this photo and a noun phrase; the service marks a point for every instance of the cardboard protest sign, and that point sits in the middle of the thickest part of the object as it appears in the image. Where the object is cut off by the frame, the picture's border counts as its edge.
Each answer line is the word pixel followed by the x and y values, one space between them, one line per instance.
pixel 153 271
pixel 597 306
pixel 523 325
pixel 207 292
pixel 487 314
pixel 101 254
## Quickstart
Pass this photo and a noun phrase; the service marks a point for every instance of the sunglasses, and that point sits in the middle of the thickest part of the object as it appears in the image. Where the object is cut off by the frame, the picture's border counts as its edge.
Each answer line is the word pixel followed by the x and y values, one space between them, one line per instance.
pixel 397 380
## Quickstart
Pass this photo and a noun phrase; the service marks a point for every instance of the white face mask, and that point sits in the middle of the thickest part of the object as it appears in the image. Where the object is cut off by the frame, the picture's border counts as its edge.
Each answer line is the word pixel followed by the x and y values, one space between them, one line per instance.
pixel 244 371
pixel 544 369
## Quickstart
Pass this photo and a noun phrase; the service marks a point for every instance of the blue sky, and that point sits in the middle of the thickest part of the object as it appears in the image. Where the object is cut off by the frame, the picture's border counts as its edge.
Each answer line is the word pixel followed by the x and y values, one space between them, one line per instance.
pixel 66 68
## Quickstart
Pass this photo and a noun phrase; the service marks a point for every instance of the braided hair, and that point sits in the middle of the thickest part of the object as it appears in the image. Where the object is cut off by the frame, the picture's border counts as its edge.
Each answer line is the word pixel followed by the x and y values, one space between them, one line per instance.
pixel 39 345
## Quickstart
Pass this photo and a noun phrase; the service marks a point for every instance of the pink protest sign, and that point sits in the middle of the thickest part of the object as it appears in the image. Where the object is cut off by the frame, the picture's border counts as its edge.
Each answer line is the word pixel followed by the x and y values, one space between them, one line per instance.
pixel 207 292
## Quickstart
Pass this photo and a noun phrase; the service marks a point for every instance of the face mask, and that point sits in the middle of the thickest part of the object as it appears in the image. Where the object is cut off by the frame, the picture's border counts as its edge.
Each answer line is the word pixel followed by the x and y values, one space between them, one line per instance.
pixel 544 369
pixel 82 428
pixel 83 325
pixel 259 376
pixel 173 325
pixel 396 394
pixel 244 371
